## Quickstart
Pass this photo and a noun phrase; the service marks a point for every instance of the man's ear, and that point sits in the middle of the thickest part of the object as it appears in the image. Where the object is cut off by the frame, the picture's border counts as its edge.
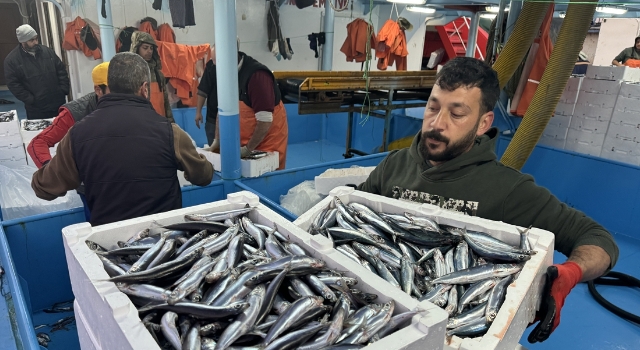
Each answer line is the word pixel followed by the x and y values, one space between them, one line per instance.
pixel 486 120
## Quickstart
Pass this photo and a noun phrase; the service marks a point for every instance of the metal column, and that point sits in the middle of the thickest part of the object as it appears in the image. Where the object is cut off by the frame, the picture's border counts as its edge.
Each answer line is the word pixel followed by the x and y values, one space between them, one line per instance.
pixel 327 48
pixel 515 7
pixel 224 19
pixel 107 36
pixel 473 35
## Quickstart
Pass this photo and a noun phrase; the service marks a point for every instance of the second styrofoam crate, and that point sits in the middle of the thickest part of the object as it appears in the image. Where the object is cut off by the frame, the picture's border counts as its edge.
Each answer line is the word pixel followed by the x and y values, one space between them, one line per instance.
pixel 621 150
pixel 593 124
pixel 12 151
pixel 603 87
pixel 120 327
pixel 28 135
pixel 597 100
pixel 248 167
pixel 10 126
pixel 560 120
pixel 574 83
pixel 569 96
pixel 85 333
pixel 613 73
pixel 554 136
pixel 625 104
pixel 630 90
pixel 333 178
pixel 565 108
pixel 624 131
pixel 594 112
pixel 522 298
pixel 584 141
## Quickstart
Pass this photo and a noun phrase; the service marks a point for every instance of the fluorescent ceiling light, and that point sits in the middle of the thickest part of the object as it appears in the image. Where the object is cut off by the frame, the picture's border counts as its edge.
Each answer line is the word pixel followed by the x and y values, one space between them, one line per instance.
pixel 495 9
pixel 488 15
pixel 409 2
pixel 421 9
pixel 611 10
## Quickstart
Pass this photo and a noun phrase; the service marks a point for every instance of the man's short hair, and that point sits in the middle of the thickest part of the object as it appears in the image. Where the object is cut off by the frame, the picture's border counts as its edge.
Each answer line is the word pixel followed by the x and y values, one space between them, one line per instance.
pixel 637 40
pixel 470 72
pixel 127 72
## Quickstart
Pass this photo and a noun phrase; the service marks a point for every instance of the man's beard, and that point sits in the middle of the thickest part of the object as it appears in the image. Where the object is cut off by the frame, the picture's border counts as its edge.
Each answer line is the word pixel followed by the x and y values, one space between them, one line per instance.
pixel 32 48
pixel 451 151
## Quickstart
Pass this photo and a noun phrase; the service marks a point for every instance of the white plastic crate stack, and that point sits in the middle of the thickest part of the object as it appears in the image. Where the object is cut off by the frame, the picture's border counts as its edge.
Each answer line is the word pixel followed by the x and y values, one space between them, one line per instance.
pixel 523 295
pixel 555 134
pixel 622 141
pixel 108 320
pixel 11 150
pixel 248 167
pixel 594 108
pixel 28 135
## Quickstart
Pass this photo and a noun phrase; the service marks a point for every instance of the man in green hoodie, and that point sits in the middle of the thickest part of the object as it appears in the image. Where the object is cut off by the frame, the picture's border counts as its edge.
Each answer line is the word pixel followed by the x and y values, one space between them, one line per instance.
pixel 451 163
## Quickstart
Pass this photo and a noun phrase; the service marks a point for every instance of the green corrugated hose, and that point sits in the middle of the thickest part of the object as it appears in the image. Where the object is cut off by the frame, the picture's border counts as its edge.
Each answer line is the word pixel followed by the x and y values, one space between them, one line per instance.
pixel 525 30
pixel 561 63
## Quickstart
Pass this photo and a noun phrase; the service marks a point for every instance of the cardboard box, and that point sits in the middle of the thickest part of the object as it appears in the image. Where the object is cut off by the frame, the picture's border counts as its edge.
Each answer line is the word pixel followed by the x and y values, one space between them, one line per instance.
pixel 613 73
pixel 522 297
pixel 114 320
pixel 249 167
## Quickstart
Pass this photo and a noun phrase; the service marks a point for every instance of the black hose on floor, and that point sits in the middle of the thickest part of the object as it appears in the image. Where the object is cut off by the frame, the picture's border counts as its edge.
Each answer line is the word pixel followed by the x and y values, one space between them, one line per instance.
pixel 614 279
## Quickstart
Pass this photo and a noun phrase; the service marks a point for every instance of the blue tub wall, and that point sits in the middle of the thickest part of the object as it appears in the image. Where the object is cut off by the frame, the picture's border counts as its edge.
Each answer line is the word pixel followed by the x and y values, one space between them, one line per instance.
pixel 605 190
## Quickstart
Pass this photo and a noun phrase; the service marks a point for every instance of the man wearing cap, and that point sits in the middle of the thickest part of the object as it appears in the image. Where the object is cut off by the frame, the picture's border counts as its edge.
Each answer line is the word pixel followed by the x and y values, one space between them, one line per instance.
pixel 36 75
pixel 68 115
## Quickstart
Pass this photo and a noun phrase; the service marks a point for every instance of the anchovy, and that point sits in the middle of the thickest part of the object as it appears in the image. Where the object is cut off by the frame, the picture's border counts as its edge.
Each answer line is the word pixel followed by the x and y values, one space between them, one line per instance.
pixel 475 327
pixel 441 266
pixel 467 316
pixel 494 243
pixel 461 256
pixel 329 218
pixel 478 273
pixel 407 274
pixel 427 223
pixel 344 223
pixel 294 312
pixel 337 322
pixel 343 210
pixel 436 292
pixel 295 338
pixel 254 231
pixel 192 338
pixel 132 250
pixel 496 298
pixel 476 290
pixel 146 291
pixel 294 249
pixel 495 252
pixel 320 287
pixel 190 284
pixel 357 236
pixel 201 262
pixel 219 269
pixel 199 244
pixel 236 291
pixel 236 245
pixel 197 226
pixel 112 268
pixel 452 302
pixel 245 321
pixel 301 287
pixel 524 239
pixel 270 294
pixel 165 253
pixel 191 241
pixel 159 271
pixel 169 329
pixel 215 290
pixel 219 216
pixel 203 311
pixel 396 322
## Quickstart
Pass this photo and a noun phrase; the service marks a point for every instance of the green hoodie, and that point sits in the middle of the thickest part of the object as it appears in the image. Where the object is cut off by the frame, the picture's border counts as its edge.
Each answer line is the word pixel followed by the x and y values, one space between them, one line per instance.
pixel 476 184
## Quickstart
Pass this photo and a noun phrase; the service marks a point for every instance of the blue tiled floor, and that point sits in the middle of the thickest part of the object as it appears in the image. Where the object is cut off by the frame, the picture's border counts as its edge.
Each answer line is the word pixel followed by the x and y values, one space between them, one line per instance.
pixel 585 324
pixel 18 105
pixel 315 152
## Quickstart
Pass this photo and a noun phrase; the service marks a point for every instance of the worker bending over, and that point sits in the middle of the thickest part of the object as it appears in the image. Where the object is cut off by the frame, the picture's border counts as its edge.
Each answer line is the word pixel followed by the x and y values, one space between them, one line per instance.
pixel 451 163
pixel 630 56
pixel 125 153
pixel 263 118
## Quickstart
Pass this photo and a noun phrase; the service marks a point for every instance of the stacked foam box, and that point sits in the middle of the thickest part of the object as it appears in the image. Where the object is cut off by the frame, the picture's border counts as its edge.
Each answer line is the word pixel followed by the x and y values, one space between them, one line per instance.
pixel 11 149
pixel 248 167
pixel 333 178
pixel 27 136
pixel 555 134
pixel 523 295
pixel 622 141
pixel 108 319
pixel 594 108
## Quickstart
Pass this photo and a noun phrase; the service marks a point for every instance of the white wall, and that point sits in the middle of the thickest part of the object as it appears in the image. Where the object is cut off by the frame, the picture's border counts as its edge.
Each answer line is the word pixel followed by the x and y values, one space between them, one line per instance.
pixel 616 34
pixel 252 31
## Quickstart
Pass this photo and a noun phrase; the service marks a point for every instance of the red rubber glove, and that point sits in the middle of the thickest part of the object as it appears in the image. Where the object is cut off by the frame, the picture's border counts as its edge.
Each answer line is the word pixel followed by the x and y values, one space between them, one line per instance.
pixel 561 278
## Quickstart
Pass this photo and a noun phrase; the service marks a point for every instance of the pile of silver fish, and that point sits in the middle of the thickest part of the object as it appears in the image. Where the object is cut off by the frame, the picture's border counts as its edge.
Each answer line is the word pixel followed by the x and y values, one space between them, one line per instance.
pixel 221 281
pixel 7 116
pixel 35 125
pixel 464 272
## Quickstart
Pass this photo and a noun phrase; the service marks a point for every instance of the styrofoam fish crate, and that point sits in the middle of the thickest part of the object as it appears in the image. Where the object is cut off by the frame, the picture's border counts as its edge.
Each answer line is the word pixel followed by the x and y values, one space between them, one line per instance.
pixel 598 86
pixel 11 127
pixel 13 163
pixel 573 84
pixel 569 96
pixel 630 90
pixel 121 328
pixel 624 131
pixel 593 124
pixel 596 100
pixel 629 118
pixel 523 296
pixel 333 178
pixel 625 104
pixel 12 151
pixel 27 136
pixel 248 167
pixel 613 73
pixel 565 108
pixel 583 146
pixel 597 112
pixel 621 150
pixel 560 120
pixel 554 136
pixel 85 333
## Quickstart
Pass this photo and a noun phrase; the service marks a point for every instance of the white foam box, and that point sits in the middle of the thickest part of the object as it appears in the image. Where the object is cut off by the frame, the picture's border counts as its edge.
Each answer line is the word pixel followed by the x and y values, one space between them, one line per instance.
pixel 114 319
pixel 13 163
pixel 595 112
pixel 333 178
pixel 565 108
pixel 584 141
pixel 630 90
pixel 624 131
pixel 625 104
pixel 248 167
pixel 523 296
pixel 554 136
pixel 85 333
pixel 621 150
pixel 12 151
pixel 569 96
pixel 573 84
pixel 593 124
pixel 603 87
pixel 27 136
pixel 613 73
pixel 560 120
pixel 597 100
pixel 628 117
pixel 11 127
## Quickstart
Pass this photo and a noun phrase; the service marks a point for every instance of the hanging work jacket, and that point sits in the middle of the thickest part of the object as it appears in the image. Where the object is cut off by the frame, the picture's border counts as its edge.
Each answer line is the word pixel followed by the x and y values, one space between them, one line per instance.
pixel 392 46
pixel 179 65
pixel 166 34
pixel 355 45
pixel 83 35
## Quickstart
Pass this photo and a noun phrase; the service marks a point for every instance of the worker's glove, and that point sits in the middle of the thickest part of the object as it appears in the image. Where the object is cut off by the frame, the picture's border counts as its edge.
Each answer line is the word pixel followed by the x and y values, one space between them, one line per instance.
pixel 561 278
pixel 244 152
